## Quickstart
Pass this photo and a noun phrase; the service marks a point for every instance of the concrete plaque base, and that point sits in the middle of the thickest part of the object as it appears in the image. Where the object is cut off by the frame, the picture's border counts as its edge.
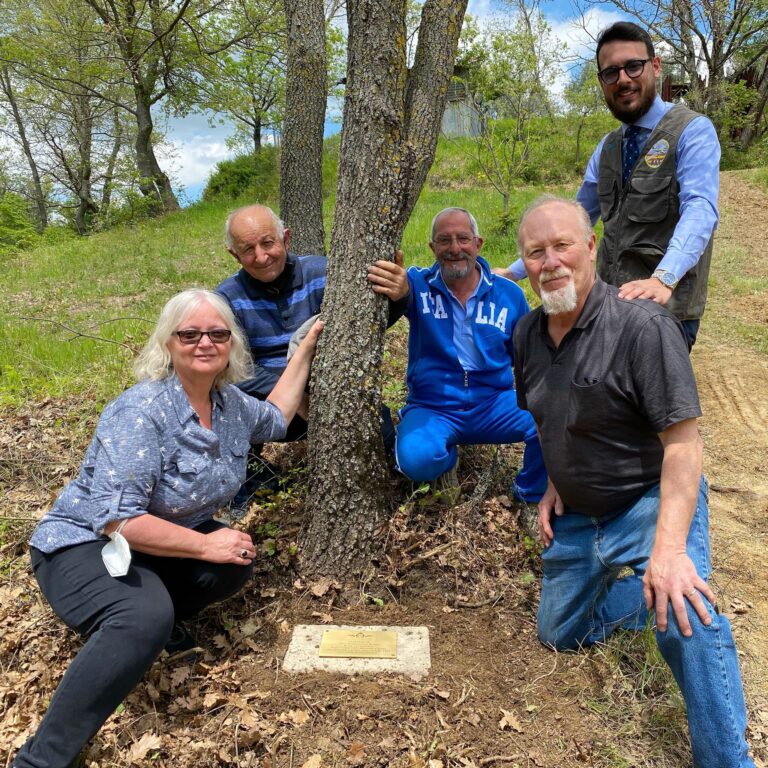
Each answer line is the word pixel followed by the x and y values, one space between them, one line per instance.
pixel 413 659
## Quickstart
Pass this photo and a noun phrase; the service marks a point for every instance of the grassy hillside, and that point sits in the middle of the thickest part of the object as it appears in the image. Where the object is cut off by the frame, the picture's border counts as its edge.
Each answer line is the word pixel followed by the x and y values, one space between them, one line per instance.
pixel 73 312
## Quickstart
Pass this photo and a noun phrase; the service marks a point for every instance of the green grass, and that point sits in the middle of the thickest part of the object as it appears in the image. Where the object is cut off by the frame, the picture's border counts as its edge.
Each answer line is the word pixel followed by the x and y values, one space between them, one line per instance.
pixel 110 286
pixel 74 310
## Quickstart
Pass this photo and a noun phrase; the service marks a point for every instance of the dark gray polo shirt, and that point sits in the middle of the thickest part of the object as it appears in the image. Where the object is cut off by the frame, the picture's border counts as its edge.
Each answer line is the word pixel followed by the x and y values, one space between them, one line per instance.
pixel 619 377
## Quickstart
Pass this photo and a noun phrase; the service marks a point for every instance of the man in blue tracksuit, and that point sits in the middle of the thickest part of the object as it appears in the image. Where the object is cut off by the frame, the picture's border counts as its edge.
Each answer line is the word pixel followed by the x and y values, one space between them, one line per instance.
pixel 460 356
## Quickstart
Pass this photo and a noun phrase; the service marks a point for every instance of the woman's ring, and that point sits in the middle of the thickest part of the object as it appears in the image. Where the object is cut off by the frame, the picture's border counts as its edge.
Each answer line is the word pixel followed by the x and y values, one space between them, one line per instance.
pixel 692 592
pixel 244 553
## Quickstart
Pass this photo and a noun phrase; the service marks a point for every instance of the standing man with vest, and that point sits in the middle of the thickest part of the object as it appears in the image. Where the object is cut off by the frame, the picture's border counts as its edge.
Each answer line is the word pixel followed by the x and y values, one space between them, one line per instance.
pixel 654 182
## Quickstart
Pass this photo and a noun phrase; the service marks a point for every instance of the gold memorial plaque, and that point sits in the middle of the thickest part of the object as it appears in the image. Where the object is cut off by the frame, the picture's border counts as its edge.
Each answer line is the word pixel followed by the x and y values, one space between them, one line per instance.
pixel 358 644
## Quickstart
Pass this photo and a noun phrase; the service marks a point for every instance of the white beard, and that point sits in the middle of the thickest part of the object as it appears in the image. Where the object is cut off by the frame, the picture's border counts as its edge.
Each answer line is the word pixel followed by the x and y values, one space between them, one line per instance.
pixel 560 301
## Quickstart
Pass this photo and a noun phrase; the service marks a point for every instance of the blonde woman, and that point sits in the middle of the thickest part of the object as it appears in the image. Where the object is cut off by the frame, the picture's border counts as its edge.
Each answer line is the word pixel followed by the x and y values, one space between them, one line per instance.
pixel 130 547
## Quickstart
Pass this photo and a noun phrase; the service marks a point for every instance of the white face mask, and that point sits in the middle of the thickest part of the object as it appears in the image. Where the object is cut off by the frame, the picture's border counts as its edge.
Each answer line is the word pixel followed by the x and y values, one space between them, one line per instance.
pixel 116 554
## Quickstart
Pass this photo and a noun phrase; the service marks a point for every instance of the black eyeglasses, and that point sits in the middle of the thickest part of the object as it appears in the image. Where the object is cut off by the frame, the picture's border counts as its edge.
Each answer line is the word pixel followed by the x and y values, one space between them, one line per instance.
pixel 634 68
pixel 190 336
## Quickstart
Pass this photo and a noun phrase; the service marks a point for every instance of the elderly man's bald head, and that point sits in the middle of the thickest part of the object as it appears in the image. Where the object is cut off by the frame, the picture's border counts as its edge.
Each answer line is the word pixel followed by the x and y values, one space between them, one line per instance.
pixel 259 241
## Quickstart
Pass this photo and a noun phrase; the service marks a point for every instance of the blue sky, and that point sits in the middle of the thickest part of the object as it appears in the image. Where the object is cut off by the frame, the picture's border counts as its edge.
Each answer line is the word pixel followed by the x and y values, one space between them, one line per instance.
pixel 194 147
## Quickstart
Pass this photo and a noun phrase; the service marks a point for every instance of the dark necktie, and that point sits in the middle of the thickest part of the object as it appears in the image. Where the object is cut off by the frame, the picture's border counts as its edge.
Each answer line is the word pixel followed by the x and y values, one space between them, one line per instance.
pixel 631 151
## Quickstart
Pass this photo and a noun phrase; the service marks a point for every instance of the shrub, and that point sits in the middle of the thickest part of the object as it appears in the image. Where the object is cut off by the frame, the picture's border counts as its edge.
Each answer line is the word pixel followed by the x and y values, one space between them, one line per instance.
pixel 17 230
pixel 256 175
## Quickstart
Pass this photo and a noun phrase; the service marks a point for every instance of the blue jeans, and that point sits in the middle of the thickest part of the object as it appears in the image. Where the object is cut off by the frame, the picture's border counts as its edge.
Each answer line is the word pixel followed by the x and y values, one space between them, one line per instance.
pixel 691 330
pixel 580 606
pixel 426 442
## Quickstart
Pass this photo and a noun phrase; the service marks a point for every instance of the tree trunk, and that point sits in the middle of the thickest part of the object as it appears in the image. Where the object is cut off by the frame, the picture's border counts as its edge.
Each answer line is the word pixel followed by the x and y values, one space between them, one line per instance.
pixel 756 112
pixel 578 139
pixel 153 183
pixel 256 133
pixel 87 206
pixel 106 193
pixel 37 188
pixel 387 146
pixel 301 156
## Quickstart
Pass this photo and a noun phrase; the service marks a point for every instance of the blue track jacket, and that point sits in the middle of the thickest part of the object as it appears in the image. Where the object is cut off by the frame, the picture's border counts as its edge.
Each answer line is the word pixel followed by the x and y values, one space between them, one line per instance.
pixel 435 377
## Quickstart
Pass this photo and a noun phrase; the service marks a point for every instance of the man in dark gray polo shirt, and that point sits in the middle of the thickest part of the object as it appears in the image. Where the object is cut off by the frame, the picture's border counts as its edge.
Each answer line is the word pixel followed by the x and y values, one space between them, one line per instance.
pixel 611 389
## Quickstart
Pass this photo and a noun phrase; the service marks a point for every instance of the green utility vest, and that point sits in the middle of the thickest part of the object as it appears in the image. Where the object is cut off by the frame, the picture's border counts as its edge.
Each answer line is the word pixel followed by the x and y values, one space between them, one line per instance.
pixel 639 219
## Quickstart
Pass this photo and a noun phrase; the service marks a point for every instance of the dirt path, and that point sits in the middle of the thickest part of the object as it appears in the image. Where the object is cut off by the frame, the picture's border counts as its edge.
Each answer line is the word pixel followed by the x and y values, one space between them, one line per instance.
pixel 733 385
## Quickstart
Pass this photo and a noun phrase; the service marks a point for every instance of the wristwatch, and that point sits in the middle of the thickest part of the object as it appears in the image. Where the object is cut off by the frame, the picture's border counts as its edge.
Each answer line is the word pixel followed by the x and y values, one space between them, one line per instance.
pixel 666 278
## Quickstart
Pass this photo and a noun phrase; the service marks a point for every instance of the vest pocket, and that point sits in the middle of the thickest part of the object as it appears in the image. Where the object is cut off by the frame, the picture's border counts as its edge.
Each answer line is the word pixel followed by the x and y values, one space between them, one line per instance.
pixel 638 263
pixel 648 197
pixel 608 193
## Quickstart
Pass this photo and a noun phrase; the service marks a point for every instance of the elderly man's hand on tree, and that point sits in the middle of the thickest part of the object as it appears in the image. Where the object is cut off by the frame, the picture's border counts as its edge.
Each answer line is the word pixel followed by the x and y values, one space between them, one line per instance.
pixel 389 277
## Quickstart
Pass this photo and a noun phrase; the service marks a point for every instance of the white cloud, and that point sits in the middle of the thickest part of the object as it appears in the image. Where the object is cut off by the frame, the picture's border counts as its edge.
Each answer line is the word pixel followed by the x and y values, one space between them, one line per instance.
pixel 480 9
pixel 579 34
pixel 190 161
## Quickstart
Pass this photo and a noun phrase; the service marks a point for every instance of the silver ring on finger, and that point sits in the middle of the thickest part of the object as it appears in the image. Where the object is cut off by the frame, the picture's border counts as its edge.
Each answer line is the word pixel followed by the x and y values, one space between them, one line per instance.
pixel 692 593
pixel 244 553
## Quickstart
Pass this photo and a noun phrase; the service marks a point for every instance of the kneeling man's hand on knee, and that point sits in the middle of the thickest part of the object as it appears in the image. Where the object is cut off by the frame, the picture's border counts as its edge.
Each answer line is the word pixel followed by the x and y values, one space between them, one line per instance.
pixel 671 577
pixel 550 503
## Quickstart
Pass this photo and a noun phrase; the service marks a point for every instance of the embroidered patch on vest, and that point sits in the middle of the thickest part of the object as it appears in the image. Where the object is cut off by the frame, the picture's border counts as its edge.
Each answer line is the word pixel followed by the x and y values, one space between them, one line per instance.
pixel 654 157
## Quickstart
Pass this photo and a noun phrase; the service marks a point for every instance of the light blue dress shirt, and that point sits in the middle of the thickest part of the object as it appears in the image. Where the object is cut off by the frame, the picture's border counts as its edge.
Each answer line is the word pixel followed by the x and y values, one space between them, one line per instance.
pixel 151 454
pixel 469 356
pixel 698 173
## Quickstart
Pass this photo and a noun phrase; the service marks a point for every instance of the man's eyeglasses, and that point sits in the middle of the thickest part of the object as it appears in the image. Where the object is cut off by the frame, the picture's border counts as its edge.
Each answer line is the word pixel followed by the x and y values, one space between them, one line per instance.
pixel 634 68
pixel 445 240
pixel 190 336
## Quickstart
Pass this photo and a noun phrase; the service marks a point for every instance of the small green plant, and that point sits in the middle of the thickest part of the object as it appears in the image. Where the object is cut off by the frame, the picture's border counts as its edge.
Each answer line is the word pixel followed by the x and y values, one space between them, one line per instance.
pixel 373 599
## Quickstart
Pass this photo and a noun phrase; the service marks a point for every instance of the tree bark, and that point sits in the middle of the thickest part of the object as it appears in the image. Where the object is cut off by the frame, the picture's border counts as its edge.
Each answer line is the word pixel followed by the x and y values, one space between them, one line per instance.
pixel 751 128
pixel 37 187
pixel 153 182
pixel 109 175
pixel 388 142
pixel 301 155
pixel 84 123
pixel 256 134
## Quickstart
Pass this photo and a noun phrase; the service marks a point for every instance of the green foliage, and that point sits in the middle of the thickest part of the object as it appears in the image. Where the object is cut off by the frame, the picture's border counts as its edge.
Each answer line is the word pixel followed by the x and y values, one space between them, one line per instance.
pixel 509 71
pixel 131 206
pixel 731 106
pixel 246 82
pixel 17 230
pixel 255 175
pixel 331 147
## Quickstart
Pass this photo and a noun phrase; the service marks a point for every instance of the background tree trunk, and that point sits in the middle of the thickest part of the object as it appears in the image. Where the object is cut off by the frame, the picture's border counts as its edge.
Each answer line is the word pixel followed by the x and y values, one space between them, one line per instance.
pixel 387 146
pixel 41 209
pixel 153 181
pixel 301 154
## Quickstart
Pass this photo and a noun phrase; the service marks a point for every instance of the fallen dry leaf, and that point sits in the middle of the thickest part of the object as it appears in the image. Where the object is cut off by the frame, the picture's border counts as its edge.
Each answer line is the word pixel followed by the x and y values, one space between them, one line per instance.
pixel 321 586
pixel 139 749
pixel 179 675
pixel 356 753
pixel 313 762
pixel 509 720
pixel 296 717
